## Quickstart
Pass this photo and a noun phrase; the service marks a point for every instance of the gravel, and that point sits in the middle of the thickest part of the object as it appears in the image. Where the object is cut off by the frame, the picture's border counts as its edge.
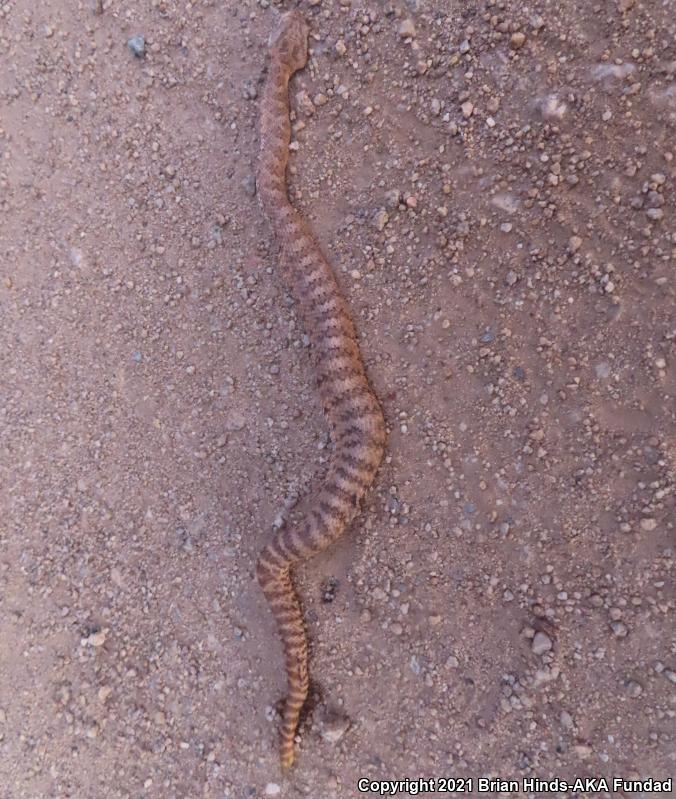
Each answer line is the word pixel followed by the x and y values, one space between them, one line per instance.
pixel 498 209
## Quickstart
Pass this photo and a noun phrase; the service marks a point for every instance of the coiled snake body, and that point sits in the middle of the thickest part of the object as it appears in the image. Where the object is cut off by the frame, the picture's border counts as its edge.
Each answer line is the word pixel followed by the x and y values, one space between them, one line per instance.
pixel 356 420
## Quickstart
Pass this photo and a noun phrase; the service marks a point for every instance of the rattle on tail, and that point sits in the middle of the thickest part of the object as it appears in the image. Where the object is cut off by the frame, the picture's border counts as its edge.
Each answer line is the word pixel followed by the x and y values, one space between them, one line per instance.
pixel 355 418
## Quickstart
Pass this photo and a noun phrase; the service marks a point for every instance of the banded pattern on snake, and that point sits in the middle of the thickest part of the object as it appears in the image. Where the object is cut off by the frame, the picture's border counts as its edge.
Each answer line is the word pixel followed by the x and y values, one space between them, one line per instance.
pixel 356 420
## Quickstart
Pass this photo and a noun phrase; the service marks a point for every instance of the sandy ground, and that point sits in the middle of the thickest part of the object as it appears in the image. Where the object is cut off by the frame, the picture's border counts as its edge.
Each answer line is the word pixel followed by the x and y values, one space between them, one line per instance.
pixel 494 184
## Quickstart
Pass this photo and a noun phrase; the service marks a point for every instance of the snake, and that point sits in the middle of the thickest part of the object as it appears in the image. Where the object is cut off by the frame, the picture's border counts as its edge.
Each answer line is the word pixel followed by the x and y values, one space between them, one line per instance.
pixel 355 417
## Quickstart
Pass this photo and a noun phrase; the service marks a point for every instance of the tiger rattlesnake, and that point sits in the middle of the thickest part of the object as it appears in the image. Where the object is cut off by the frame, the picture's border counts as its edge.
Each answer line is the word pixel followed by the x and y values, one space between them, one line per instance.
pixel 355 418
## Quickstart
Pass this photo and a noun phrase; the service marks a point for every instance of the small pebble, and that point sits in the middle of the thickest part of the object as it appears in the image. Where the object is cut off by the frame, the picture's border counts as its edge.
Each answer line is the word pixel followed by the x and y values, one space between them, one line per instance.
pixel 551 107
pixel 272 789
pixel 619 629
pixel 467 109
pixel 104 693
pixel 305 103
pixel 334 728
pixel 518 40
pixel 541 643
pixel 96 639
pixel 250 90
pixel 393 198
pixel 137 44
pixel 329 589
pixel 407 29
pixel 381 219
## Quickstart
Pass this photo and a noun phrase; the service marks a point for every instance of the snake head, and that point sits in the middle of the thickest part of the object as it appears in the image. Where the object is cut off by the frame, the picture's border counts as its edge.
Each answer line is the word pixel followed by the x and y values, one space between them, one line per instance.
pixel 288 42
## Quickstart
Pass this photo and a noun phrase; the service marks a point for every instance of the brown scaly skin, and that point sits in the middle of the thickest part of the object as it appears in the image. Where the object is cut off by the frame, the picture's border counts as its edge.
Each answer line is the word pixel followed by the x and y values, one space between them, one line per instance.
pixel 354 414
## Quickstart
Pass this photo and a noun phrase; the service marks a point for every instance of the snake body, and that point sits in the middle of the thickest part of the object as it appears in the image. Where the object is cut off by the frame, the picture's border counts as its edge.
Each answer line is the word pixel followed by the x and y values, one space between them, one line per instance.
pixel 355 418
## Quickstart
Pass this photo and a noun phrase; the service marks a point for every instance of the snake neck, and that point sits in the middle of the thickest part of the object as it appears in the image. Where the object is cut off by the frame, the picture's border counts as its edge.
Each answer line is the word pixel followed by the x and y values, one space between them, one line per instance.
pixel 275 135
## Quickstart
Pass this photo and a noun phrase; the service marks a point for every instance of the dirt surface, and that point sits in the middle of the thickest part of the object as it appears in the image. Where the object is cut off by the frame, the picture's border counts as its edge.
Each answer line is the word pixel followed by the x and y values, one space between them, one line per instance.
pixel 494 183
